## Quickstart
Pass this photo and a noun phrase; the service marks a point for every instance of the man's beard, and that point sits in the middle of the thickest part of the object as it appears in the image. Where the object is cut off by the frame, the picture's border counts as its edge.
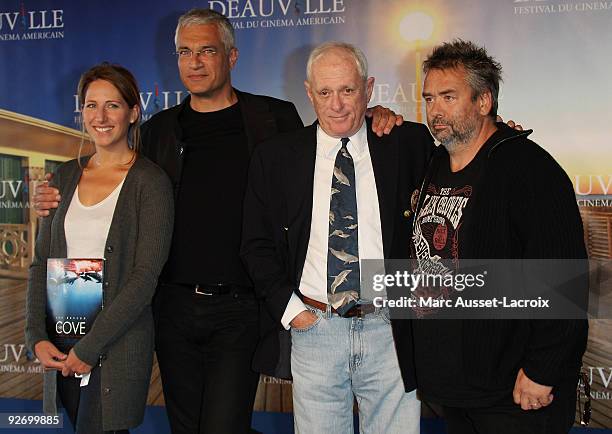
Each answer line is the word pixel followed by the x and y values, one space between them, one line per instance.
pixel 458 132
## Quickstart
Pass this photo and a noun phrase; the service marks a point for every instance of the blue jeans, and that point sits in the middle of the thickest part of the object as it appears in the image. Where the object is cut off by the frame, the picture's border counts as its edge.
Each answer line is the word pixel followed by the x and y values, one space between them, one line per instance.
pixel 337 358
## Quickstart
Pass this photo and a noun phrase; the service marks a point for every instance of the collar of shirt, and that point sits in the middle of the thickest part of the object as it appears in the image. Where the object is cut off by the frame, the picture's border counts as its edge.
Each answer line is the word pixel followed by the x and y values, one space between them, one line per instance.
pixel 328 146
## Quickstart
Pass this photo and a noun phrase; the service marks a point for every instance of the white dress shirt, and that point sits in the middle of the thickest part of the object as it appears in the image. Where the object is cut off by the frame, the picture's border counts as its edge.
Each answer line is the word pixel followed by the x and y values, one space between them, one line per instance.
pixel 314 275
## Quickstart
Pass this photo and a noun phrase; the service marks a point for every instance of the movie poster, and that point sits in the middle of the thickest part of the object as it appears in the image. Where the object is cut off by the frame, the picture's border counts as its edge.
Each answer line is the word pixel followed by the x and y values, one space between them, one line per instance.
pixel 74 298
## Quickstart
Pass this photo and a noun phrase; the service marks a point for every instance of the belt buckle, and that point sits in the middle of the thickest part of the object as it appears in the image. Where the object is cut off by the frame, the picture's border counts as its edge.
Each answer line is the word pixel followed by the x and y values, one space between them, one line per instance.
pixel 201 292
pixel 353 312
pixel 361 313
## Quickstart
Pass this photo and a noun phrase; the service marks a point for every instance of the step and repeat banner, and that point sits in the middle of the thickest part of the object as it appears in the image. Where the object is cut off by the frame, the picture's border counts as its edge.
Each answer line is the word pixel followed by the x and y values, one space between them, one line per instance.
pixel 555 55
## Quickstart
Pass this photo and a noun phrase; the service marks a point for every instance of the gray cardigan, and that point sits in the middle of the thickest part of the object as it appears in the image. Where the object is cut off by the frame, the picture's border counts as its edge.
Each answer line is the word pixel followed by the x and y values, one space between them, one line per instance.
pixel 136 249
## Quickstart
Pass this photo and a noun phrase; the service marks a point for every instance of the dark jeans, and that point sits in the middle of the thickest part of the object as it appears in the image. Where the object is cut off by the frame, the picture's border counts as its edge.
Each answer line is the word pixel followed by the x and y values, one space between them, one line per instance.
pixel 205 346
pixel 83 404
pixel 508 417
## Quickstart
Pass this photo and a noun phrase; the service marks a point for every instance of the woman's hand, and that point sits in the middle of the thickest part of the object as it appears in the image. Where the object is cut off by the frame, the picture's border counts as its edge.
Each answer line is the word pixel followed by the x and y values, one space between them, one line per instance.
pixel 49 356
pixel 74 365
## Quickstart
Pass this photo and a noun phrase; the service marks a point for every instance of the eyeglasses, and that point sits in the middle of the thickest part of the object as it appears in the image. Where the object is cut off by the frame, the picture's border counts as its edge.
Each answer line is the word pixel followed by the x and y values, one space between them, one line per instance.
pixel 583 392
pixel 186 53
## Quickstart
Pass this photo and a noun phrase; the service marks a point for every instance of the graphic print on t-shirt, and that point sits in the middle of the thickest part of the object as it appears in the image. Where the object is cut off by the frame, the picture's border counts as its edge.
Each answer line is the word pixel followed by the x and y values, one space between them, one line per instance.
pixel 437 233
pixel 438 225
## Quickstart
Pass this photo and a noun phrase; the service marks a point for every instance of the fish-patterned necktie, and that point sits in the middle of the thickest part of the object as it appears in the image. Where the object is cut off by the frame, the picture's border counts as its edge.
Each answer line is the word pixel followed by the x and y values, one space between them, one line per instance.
pixel 343 282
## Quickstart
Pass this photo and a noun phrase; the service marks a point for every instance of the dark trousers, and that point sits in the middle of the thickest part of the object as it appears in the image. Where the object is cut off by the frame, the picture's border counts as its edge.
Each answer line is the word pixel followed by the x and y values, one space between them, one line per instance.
pixel 205 346
pixel 83 404
pixel 508 417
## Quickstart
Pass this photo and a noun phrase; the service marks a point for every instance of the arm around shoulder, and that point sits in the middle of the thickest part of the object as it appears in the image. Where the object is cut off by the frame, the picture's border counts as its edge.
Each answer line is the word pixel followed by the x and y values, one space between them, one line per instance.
pixel 36 296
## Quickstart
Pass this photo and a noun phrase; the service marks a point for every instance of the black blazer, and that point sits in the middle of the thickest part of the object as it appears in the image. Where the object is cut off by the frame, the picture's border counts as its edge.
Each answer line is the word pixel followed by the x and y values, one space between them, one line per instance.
pixel 263 116
pixel 277 217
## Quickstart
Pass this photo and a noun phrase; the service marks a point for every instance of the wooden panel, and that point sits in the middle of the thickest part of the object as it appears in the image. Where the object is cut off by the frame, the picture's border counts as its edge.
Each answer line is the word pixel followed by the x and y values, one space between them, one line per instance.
pixel 273 394
pixel 31 134
pixel 597 231
pixel 598 238
pixel 15 380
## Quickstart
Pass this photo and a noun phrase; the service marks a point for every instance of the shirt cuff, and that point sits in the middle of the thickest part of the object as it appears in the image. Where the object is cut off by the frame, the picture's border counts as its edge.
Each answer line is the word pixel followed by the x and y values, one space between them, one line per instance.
pixel 293 309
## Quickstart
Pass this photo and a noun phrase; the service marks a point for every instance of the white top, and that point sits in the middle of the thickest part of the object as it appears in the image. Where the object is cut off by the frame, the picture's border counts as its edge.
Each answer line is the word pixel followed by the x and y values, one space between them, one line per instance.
pixel 314 275
pixel 86 227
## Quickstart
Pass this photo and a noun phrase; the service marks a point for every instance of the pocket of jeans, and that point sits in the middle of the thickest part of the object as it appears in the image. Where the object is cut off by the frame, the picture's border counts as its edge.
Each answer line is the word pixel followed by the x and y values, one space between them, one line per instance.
pixel 384 313
pixel 311 326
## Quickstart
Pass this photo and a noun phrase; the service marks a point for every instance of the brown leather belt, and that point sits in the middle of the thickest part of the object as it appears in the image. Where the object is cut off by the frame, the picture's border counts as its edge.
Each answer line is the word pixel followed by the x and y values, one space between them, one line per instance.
pixel 359 310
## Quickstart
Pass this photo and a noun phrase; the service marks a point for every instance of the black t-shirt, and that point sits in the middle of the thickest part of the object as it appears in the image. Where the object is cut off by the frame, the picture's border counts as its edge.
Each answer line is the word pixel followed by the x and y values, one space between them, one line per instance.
pixel 440 234
pixel 208 215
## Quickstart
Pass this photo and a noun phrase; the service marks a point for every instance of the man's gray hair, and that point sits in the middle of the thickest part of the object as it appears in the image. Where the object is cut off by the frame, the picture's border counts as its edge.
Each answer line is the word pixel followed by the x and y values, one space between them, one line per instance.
pixel 360 60
pixel 208 16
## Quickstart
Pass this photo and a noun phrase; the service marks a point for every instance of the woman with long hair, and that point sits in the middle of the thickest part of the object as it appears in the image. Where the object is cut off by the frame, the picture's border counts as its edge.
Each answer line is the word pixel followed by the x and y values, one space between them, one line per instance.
pixel 116 205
